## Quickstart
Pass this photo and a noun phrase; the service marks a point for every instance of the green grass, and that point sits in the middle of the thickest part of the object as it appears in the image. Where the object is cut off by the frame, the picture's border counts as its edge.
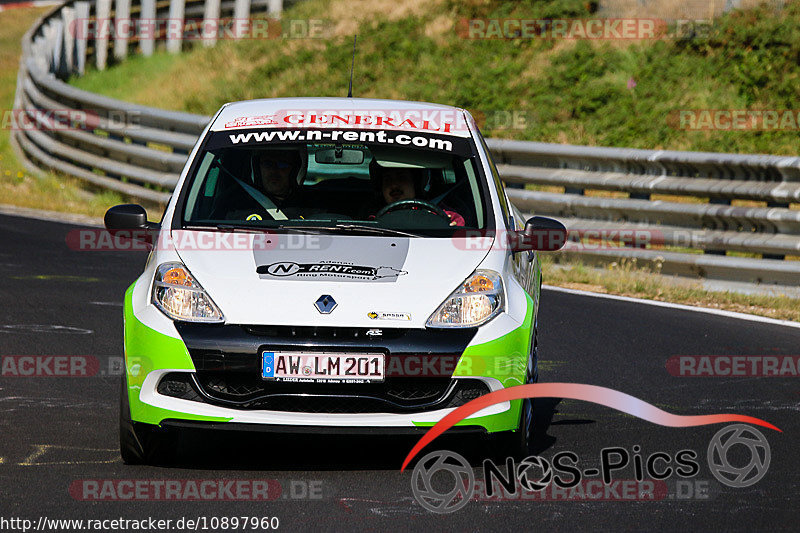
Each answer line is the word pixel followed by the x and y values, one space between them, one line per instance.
pixel 17 186
pixel 626 279
pixel 570 91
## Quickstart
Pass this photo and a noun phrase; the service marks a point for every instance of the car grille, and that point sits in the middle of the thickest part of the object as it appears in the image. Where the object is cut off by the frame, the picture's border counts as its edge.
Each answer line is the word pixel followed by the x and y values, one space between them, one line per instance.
pixel 321 333
pixel 246 392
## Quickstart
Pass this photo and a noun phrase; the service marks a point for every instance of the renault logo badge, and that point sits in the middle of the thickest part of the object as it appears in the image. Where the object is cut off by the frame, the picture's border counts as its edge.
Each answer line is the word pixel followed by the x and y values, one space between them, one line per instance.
pixel 325 304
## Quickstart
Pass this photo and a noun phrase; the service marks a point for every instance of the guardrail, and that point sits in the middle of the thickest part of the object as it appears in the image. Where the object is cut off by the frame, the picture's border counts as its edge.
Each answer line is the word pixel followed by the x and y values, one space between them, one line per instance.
pixel 679 212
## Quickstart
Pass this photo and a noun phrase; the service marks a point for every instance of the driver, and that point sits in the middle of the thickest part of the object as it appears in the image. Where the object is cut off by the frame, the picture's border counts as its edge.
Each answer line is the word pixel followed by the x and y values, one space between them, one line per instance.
pixel 275 173
pixel 402 183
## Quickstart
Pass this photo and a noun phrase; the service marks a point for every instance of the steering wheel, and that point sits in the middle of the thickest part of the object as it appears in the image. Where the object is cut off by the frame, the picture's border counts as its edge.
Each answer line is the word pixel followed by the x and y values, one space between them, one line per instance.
pixel 412 204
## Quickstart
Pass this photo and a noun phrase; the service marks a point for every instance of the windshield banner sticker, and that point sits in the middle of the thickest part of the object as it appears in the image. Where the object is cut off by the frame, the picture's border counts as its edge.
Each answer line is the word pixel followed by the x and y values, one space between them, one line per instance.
pixel 446 121
pixel 340 258
pixel 417 140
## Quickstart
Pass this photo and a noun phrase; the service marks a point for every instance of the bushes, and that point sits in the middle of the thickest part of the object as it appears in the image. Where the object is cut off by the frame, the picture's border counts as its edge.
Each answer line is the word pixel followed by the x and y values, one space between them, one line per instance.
pixel 570 91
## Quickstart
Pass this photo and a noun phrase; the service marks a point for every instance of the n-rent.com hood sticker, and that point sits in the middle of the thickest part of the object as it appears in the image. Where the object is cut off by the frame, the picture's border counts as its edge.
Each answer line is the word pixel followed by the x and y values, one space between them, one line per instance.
pixel 336 258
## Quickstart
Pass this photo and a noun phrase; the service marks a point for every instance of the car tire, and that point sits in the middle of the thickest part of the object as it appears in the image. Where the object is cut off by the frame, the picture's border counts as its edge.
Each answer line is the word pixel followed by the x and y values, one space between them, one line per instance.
pixel 141 443
pixel 517 444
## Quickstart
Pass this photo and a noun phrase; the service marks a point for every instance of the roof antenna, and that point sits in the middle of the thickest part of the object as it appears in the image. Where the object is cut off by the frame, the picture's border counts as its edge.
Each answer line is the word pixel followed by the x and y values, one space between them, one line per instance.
pixel 352 65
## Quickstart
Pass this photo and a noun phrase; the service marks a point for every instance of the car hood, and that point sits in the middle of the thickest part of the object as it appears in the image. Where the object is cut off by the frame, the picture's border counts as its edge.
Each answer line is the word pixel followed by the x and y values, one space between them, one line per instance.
pixel 375 281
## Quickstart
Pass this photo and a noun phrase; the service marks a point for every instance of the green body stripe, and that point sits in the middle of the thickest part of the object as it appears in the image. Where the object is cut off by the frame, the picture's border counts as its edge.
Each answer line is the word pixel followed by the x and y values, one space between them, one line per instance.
pixel 147 350
pixel 506 359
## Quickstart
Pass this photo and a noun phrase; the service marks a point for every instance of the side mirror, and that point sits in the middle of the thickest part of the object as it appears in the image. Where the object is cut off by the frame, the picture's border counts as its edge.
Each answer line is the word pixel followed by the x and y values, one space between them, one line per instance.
pixel 130 218
pixel 126 217
pixel 543 234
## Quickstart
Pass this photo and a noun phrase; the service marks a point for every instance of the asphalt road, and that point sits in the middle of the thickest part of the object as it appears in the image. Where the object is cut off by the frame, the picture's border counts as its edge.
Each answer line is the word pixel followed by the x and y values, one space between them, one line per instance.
pixel 56 431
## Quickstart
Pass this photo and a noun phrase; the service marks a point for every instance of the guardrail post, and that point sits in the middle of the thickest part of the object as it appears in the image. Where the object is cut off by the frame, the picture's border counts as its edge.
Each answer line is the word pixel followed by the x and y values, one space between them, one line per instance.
pixel 147 27
pixel 175 26
pixel 102 27
pixel 68 16
pixel 81 27
pixel 57 45
pixel 241 9
pixel 47 46
pixel 39 58
pixel 122 27
pixel 211 22
pixel 718 201
pixel 275 7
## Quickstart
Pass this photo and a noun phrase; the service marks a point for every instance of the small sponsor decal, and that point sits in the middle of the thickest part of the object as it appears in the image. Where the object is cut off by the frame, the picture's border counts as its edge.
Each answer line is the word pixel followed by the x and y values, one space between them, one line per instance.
pixel 262 120
pixel 374 315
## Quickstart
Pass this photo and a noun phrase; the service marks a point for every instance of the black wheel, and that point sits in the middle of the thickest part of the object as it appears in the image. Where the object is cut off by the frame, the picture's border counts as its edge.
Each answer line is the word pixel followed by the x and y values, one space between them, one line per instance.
pixel 517 444
pixel 141 443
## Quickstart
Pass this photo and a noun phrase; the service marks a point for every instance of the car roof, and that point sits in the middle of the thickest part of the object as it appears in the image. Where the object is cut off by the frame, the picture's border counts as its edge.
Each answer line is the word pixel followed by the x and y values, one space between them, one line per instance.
pixel 235 113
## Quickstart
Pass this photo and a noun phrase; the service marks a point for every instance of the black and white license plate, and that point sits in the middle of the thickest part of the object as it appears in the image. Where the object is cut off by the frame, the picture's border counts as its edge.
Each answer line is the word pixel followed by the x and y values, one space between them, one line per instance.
pixel 318 367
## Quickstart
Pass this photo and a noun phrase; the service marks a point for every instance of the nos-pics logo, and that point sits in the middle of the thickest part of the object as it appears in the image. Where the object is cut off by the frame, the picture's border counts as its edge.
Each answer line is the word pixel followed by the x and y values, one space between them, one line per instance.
pixel 444 482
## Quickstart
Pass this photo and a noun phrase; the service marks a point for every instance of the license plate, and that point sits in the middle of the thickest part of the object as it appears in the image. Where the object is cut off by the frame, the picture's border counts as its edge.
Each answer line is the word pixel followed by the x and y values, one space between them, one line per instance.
pixel 323 367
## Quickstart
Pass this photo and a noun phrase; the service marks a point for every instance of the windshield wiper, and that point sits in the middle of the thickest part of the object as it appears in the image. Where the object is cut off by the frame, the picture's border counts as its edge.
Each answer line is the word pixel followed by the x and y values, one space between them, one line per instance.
pixel 375 229
pixel 348 227
pixel 226 227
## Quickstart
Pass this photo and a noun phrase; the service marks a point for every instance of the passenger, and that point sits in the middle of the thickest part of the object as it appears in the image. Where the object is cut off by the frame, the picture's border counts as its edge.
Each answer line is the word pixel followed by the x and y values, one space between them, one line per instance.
pixel 402 183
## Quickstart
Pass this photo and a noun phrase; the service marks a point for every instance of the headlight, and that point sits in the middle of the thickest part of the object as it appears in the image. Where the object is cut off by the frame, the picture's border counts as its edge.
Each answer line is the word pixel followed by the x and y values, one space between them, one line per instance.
pixel 475 302
pixel 180 297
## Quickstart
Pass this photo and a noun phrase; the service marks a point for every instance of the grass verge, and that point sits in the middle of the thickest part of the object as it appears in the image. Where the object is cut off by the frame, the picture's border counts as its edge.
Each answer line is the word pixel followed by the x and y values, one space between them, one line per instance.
pixel 17 186
pixel 624 279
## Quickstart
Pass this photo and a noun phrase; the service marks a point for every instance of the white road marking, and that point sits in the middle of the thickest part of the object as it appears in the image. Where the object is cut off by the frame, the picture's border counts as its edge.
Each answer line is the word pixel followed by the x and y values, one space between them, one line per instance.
pixel 50 216
pixel 719 312
pixel 42 449
pixel 43 328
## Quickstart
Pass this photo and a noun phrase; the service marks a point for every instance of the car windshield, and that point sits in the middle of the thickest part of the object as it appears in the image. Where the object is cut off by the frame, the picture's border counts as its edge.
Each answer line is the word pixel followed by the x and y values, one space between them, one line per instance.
pixel 432 187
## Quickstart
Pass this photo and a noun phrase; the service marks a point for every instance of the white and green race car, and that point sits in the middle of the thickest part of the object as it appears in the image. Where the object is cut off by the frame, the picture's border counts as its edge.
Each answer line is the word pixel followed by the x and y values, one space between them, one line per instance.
pixel 343 265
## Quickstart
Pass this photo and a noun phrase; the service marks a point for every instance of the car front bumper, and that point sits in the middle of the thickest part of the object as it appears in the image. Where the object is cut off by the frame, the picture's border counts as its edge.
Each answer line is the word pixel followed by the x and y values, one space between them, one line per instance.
pixel 199 351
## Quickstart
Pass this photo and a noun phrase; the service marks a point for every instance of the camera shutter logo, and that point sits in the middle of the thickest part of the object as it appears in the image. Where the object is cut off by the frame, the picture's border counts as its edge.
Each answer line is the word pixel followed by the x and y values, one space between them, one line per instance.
pixel 460 485
pixel 526 473
pixel 738 435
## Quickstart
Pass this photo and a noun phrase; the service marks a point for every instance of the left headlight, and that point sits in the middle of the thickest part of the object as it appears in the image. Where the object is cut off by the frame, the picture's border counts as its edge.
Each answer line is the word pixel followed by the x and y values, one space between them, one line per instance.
pixel 474 302
pixel 178 295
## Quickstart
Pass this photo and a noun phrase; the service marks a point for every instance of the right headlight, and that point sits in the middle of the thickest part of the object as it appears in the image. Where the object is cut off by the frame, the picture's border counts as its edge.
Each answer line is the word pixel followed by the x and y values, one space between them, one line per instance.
pixel 474 302
pixel 179 296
